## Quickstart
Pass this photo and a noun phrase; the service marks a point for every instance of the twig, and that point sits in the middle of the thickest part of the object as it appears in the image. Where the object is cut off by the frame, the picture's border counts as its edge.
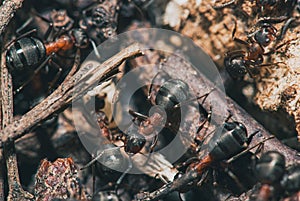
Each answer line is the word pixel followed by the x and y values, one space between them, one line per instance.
pixel 16 191
pixel 72 88
pixel 7 11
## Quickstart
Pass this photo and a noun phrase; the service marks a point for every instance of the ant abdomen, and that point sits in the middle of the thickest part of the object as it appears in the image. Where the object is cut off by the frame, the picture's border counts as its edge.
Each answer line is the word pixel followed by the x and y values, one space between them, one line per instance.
pixel 171 93
pixel 25 54
pixel 232 141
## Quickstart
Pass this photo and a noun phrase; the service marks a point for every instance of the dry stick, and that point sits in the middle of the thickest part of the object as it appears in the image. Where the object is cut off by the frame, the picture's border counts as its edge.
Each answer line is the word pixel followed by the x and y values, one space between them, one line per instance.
pixel 7 11
pixel 72 88
pixel 16 191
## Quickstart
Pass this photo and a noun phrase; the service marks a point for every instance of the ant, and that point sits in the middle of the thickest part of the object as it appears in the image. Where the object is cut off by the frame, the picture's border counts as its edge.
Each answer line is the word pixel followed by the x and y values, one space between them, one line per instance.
pixel 110 154
pixel 169 98
pixel 291 179
pixel 239 62
pixel 232 143
pixel 28 53
pixel 269 170
pixel 100 21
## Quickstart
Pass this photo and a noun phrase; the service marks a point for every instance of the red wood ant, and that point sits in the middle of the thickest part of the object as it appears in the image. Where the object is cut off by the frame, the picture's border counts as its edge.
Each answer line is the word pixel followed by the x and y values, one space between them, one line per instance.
pixel 232 142
pixel 272 174
pixel 240 62
pixel 269 169
pixel 28 53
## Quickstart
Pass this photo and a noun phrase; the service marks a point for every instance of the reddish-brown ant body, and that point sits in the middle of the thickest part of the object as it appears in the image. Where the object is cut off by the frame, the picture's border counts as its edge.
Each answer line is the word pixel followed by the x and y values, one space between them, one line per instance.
pixel 239 62
pixel 233 140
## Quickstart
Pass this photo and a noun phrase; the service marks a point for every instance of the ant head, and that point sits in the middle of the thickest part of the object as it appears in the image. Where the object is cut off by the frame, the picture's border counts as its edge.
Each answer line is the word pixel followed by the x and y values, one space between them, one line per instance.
pixel 265 35
pixel 100 17
pixel 80 37
pixel 134 143
pixel 171 93
pixel 60 19
pixel 270 167
pixel 235 66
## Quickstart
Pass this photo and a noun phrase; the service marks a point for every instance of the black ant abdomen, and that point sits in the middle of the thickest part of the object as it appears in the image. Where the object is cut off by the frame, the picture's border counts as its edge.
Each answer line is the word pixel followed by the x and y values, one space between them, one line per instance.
pixel 171 93
pixel 232 141
pixel 25 53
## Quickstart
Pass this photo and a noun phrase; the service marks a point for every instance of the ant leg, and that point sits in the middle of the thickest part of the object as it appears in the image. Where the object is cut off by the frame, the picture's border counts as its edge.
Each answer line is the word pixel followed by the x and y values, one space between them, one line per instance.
pixel 137 115
pixel 58 74
pixel 203 178
pixel 34 73
pixel 50 28
pixel 94 178
pixel 279 46
pixel 151 86
pixel 241 41
pixel 229 116
pixel 235 179
pixel 207 119
pixel 193 99
pixel 235 53
pixel 19 37
pixel 48 32
pixel 148 4
pixel 271 20
pixel 237 39
pixel 139 10
pixel 119 181
pixel 285 27
pixel 152 146
pixel 21 28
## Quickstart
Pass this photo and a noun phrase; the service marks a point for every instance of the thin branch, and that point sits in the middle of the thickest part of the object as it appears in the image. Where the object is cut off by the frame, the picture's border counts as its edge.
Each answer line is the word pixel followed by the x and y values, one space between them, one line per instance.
pixel 72 88
pixel 7 11
pixel 16 191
